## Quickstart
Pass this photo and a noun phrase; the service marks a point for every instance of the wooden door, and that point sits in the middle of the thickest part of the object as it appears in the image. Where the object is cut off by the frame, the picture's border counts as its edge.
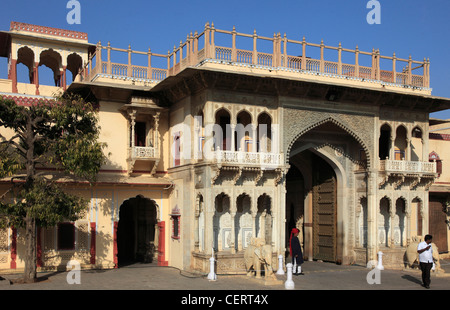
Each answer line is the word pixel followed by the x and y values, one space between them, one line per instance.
pixel 438 225
pixel 324 213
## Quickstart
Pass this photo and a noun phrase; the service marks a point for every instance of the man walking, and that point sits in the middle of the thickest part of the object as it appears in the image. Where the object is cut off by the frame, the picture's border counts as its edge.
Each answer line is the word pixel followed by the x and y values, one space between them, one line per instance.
pixel 426 259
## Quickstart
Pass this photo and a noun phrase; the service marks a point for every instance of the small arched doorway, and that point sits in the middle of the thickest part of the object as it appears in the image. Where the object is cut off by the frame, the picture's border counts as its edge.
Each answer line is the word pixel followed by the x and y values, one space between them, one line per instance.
pixel 137 231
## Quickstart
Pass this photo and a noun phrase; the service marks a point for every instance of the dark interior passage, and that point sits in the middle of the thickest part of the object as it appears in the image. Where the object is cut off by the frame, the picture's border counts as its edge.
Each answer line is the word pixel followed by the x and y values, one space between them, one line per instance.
pixel 136 231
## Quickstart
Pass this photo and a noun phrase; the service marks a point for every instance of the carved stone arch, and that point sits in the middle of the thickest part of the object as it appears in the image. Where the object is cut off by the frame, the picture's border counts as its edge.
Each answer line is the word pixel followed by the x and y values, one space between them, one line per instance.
pixel 220 108
pixel 50 58
pixel 421 204
pixel 405 200
pixel 387 123
pixel 245 110
pixel 266 196
pixel 264 111
pixel 220 196
pixel 361 201
pixel 404 125
pixel 340 125
pixel 241 195
pixel 389 201
pixel 198 207
pixel 158 208
pixel 74 64
pixel 53 60
pixel 384 124
pixel 419 127
pixel 25 56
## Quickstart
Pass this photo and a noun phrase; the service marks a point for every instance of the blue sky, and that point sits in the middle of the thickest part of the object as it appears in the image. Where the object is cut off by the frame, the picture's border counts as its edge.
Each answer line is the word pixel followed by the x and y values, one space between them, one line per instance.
pixel 415 27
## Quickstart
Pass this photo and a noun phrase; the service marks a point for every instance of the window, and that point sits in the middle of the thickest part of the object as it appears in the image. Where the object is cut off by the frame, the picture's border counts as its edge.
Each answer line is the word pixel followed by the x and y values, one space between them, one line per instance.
pixel 66 236
pixel 175 215
pixel 140 134
pixel 435 157
pixel 177 149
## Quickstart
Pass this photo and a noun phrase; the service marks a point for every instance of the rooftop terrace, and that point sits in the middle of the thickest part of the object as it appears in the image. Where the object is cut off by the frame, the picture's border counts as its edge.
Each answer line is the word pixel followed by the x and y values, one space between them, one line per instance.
pixel 269 56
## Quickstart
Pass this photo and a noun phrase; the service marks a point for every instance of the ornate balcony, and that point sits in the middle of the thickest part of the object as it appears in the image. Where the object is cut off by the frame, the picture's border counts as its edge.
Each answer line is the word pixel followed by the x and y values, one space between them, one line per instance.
pixel 257 159
pixel 257 163
pixel 142 153
pixel 403 170
pixel 407 167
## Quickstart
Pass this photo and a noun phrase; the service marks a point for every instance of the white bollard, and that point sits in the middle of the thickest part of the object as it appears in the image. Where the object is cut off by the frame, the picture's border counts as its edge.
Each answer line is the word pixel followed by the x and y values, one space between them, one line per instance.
pixel 289 284
pixel 280 265
pixel 211 275
pixel 380 261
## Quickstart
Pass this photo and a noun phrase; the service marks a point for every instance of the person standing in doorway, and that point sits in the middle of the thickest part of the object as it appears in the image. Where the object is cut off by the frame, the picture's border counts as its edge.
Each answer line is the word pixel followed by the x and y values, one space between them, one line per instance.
pixel 426 259
pixel 296 251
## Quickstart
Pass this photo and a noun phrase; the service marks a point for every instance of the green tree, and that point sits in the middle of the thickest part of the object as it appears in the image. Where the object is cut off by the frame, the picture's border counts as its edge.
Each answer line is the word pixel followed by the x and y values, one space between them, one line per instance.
pixel 61 135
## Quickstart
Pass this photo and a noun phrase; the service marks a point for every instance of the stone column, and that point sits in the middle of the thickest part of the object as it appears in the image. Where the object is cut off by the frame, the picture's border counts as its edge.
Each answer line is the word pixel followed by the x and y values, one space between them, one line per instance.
pixel 133 123
pixel 392 148
pixel 36 76
pixel 13 75
pixel 254 210
pixel 233 216
pixel 254 128
pixel 392 209
pixel 372 207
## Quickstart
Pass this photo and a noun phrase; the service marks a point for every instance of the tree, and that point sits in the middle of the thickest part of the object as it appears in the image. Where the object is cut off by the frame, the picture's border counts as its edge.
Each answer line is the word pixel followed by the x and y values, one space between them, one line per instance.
pixel 61 135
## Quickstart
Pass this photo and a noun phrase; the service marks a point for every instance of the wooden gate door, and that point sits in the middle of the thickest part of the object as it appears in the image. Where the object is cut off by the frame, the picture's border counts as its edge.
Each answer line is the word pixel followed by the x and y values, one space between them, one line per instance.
pixel 438 226
pixel 324 213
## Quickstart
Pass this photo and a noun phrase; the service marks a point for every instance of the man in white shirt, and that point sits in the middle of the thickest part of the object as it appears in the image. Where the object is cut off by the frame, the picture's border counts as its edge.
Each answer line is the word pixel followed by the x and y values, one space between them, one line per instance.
pixel 426 259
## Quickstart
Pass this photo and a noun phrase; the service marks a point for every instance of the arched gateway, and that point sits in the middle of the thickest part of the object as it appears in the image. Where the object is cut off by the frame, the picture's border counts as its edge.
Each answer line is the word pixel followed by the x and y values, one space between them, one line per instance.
pixel 319 198
pixel 137 231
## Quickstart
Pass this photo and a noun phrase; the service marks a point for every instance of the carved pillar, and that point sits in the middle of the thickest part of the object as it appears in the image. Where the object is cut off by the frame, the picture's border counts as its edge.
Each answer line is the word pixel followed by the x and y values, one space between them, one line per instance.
pixel 408 225
pixel 132 115
pixel 372 208
pixel 36 76
pixel 64 77
pixel 156 132
pixel 392 208
pixel 13 75
pixel 408 149
pixel 254 128
pixel 233 142
pixel 253 211
pixel 392 148
pixel 196 226
pixel 233 216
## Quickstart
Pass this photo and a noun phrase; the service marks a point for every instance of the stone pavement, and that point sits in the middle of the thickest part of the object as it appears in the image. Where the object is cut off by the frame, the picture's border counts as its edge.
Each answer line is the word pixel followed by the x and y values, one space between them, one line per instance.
pixel 317 276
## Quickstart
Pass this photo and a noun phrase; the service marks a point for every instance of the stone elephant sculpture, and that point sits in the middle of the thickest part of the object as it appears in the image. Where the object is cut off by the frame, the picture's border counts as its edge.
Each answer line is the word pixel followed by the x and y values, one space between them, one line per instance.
pixel 412 257
pixel 258 253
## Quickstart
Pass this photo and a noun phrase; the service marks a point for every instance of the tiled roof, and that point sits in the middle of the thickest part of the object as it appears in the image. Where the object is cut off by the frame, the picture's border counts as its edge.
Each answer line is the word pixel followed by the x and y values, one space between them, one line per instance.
pixel 25 100
pixel 440 136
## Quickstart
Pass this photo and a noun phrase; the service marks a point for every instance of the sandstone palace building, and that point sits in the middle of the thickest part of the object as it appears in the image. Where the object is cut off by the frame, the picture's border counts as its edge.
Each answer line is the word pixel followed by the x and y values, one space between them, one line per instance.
pixel 229 136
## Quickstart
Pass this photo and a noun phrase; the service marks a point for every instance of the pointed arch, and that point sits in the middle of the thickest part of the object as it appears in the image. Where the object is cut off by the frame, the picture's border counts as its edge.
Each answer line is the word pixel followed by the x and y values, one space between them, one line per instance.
pixel 340 125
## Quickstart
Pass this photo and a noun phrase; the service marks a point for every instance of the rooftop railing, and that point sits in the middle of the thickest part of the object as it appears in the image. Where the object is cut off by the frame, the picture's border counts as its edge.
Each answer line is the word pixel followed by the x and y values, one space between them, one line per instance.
pixel 277 55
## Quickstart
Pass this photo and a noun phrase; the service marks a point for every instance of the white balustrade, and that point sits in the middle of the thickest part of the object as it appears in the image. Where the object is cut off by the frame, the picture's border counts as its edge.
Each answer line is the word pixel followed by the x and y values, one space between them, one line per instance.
pixel 405 166
pixel 248 158
pixel 142 152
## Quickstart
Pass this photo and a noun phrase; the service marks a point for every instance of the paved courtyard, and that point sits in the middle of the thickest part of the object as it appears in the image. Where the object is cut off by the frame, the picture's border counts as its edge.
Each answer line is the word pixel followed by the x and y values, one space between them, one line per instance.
pixel 317 276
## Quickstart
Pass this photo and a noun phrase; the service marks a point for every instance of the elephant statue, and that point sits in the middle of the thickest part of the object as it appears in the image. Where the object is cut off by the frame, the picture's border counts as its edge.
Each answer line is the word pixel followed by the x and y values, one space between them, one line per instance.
pixel 412 257
pixel 258 253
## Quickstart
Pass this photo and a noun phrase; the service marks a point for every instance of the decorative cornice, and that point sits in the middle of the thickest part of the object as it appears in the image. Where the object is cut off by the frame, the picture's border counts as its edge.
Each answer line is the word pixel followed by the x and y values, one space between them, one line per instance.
pixel 17 26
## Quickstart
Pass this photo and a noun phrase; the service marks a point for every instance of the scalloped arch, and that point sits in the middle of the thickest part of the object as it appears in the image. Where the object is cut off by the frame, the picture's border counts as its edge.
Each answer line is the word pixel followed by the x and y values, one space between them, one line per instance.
pixel 340 125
